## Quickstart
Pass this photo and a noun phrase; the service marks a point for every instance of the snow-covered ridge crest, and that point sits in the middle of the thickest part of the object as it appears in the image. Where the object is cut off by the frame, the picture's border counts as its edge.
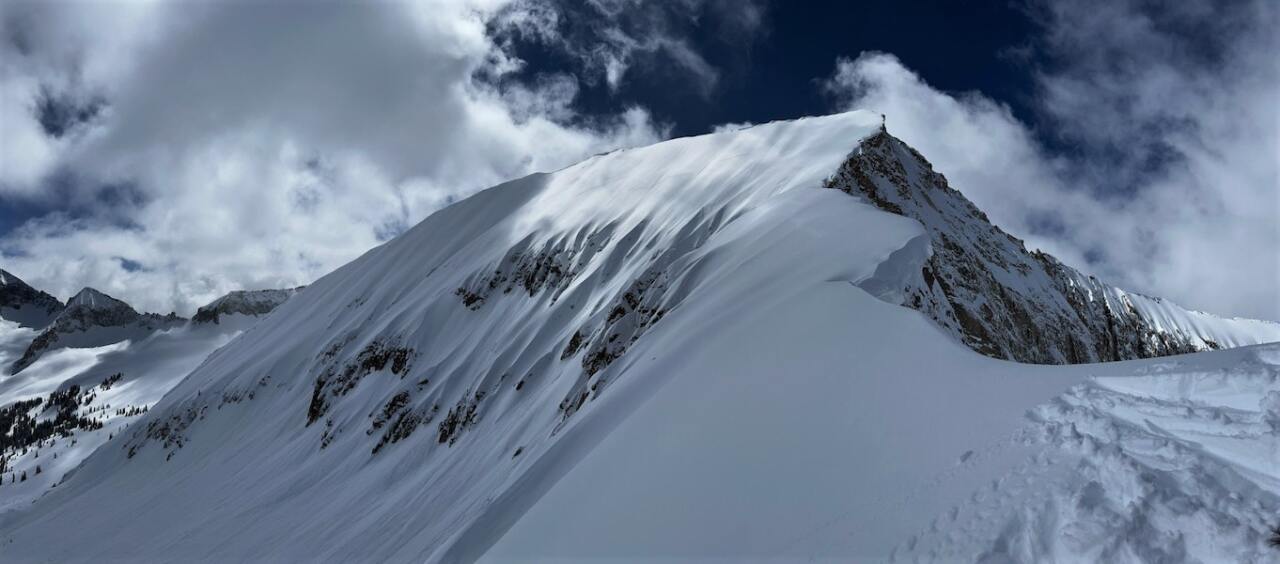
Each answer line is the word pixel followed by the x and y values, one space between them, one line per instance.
pixel 469 346
pixel 438 385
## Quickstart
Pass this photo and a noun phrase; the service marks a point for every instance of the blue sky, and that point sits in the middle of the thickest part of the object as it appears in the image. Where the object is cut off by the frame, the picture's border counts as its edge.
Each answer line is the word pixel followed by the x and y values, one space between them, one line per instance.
pixel 769 72
pixel 169 153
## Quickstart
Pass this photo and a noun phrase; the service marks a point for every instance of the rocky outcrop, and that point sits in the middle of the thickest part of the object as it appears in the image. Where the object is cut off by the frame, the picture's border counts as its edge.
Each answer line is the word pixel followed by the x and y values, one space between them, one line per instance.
pixel 987 289
pixel 26 306
pixel 243 302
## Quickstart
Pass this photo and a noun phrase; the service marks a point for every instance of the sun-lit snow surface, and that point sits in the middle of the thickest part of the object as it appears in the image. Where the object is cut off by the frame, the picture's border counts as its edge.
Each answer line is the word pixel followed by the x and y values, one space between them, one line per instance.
pixel 14 339
pixel 415 403
pixel 863 453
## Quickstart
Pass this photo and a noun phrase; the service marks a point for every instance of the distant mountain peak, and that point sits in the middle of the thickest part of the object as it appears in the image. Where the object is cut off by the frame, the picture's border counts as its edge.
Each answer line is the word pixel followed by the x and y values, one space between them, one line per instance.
pixel 25 305
pixel 94 299
pixel 984 286
pixel 243 302
pixel 92 318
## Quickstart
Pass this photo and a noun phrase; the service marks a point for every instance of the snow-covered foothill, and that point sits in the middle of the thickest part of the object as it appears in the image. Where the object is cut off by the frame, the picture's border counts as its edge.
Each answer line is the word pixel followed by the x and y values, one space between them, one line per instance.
pixel 101 389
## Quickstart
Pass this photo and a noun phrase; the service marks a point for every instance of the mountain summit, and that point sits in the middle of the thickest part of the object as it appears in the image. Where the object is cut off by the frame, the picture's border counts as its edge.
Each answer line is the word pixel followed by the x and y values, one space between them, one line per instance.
pixel 686 350
pixel 985 287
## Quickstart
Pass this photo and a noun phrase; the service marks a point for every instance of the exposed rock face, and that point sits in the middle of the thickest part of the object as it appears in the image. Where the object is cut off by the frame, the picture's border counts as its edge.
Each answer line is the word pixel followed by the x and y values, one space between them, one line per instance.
pixel 91 319
pixel 983 286
pixel 243 302
pixel 27 306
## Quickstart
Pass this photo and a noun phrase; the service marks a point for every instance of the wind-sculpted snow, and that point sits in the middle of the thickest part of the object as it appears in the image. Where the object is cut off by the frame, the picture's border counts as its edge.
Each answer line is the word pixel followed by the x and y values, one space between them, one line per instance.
pixel 854 447
pixel 611 264
pixel 690 325
pixel 983 285
pixel 1177 461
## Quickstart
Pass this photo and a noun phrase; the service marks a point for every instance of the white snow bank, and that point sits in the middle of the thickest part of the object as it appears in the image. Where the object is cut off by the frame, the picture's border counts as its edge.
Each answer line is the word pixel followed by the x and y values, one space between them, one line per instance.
pixel 871 454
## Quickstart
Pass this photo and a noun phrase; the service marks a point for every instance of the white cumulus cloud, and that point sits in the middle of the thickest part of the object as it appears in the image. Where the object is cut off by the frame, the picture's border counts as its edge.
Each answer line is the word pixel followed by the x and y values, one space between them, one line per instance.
pixel 1164 177
pixel 261 145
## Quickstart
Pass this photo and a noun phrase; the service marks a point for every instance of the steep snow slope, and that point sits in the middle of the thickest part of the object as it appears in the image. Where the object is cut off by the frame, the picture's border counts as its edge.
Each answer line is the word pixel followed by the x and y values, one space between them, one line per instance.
pixel 27 306
pixel 412 404
pixel 799 436
pixel 93 319
pixel 453 347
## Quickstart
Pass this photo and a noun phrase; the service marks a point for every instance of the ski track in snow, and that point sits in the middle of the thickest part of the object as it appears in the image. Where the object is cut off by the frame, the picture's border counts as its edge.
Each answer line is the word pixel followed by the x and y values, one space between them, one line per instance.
pixel 1179 462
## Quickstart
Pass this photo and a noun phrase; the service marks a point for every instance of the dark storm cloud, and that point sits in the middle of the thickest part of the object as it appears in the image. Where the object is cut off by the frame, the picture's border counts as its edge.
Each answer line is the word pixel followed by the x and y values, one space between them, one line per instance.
pixel 60 113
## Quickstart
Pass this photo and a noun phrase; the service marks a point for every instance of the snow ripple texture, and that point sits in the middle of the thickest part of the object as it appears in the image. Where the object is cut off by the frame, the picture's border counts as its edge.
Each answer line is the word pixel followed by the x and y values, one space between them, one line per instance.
pixel 1178 463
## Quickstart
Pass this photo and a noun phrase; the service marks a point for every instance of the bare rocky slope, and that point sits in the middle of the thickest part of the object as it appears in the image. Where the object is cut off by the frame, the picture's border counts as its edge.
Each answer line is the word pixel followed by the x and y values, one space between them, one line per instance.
pixel 243 302
pixel 27 306
pixel 986 288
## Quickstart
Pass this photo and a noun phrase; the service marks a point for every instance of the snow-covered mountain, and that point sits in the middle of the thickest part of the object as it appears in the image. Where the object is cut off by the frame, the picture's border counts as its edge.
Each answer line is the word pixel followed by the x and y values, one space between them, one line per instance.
pixel 27 306
pixel 65 405
pixel 677 351
pixel 93 319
